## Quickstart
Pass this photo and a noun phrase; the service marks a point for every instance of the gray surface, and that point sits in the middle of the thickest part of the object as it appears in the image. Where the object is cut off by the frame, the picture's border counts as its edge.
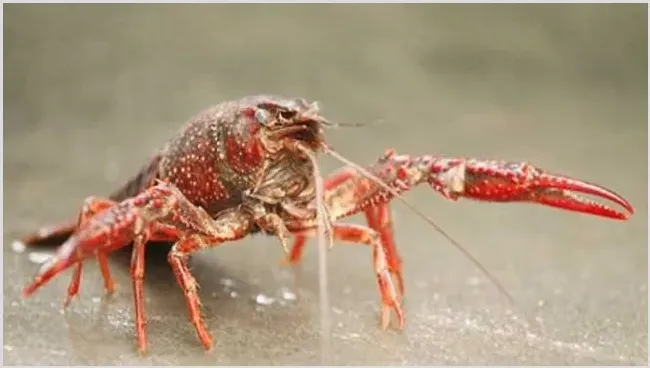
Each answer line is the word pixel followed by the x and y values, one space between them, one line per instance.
pixel 90 91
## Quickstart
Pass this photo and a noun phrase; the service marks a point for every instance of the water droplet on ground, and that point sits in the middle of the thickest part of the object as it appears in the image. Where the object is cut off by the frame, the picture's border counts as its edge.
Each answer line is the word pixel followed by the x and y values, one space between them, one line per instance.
pixel 349 336
pixel 288 295
pixel 18 246
pixel 263 299
pixel 39 257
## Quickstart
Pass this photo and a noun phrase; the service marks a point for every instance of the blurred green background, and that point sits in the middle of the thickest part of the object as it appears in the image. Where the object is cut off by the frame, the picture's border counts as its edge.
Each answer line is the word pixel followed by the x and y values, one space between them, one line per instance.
pixel 91 90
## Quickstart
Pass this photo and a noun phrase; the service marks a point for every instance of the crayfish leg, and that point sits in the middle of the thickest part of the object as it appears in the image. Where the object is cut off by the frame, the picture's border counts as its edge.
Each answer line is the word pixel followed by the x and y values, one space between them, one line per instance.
pixel 228 226
pixel 357 234
pixel 109 284
pixel 75 282
pixel 73 287
pixel 295 254
pixel 380 219
pixel 178 258
pixel 137 275
pixel 160 233
pixel 363 235
pixel 91 207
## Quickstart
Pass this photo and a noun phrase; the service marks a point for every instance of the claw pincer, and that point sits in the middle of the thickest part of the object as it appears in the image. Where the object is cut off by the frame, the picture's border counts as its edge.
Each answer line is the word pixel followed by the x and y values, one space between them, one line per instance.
pixel 507 181
pixel 111 229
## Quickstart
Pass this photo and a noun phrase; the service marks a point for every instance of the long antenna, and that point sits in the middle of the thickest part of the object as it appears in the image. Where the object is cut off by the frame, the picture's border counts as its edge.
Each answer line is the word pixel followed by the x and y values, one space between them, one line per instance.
pixel 325 240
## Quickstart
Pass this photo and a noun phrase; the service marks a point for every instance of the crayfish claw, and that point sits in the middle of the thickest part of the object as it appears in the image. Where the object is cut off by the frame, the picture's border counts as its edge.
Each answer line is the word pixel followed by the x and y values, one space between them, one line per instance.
pixel 508 181
pixel 561 192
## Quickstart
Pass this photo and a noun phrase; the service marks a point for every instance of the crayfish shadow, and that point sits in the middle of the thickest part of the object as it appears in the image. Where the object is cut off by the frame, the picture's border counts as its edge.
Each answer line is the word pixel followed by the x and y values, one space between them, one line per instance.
pixel 155 252
pixel 159 272
pixel 156 264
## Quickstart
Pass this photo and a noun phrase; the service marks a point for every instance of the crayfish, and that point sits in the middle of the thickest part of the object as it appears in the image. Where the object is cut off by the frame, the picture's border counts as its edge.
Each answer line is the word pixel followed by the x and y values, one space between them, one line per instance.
pixel 246 166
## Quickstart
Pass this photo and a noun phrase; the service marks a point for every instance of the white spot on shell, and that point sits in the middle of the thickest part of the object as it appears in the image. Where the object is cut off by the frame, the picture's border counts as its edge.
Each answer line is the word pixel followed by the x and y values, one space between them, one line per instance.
pixel 8 347
pixel 18 246
pixel 454 179
pixel 39 257
pixel 233 294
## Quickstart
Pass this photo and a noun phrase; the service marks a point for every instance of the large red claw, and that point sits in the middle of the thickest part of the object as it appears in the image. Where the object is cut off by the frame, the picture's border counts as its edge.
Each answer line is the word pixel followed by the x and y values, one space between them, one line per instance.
pixel 556 191
pixel 64 258
pixel 501 181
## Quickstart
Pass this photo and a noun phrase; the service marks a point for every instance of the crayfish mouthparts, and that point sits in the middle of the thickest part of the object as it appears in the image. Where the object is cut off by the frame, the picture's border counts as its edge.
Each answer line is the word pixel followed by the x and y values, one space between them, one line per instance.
pixel 312 133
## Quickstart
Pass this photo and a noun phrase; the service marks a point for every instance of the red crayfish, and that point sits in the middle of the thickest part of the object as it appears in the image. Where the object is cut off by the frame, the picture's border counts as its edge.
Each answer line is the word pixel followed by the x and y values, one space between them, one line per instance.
pixel 248 165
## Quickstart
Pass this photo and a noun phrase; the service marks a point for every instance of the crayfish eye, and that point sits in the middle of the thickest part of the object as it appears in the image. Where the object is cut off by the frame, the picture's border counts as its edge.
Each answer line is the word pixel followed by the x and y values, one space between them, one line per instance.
pixel 287 114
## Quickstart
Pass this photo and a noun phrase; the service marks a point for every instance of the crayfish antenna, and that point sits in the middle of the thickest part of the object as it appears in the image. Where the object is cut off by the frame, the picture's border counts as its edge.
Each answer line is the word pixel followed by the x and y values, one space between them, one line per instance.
pixel 337 124
pixel 426 218
pixel 325 241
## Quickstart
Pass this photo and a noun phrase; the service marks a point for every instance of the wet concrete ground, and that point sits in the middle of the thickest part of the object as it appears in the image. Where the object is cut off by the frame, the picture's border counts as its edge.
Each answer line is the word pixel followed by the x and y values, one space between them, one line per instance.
pixel 90 91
